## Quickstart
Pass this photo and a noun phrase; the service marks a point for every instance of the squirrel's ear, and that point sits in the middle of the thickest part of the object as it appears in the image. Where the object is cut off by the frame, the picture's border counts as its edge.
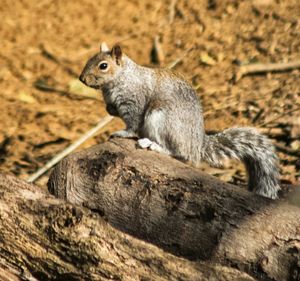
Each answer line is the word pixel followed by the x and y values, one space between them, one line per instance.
pixel 116 53
pixel 104 48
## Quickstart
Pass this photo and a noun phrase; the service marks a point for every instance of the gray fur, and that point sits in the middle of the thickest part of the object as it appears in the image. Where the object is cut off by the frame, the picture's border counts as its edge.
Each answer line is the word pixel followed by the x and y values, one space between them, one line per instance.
pixel 159 105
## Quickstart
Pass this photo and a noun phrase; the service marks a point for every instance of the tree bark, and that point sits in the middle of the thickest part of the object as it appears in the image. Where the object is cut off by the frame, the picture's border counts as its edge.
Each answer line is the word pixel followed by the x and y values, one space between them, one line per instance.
pixel 182 210
pixel 44 238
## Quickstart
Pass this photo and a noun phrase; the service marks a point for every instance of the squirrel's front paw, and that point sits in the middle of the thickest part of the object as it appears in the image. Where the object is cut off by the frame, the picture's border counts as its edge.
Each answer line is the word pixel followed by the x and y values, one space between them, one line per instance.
pixel 144 143
pixel 123 134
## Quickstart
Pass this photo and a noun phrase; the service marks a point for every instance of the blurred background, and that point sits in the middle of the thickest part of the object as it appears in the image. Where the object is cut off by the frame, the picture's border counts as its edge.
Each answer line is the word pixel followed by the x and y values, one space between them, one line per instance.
pixel 45 45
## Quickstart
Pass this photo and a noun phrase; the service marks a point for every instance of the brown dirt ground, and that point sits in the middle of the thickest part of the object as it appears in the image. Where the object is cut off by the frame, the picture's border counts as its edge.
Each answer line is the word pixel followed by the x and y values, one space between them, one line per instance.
pixel 46 44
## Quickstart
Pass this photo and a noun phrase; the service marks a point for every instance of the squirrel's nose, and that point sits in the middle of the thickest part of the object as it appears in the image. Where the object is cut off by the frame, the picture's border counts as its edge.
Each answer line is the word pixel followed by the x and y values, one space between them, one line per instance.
pixel 82 78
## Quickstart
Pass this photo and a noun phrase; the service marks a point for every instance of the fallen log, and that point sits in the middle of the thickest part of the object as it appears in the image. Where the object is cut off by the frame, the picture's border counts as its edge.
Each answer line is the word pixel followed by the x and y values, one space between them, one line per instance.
pixel 182 210
pixel 44 238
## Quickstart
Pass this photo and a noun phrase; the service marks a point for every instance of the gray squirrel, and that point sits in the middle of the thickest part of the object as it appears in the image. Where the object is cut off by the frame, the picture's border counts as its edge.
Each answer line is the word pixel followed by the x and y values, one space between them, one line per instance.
pixel 162 110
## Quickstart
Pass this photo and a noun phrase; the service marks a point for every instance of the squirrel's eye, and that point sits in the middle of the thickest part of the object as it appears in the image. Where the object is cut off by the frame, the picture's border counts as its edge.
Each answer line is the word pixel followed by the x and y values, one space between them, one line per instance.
pixel 103 65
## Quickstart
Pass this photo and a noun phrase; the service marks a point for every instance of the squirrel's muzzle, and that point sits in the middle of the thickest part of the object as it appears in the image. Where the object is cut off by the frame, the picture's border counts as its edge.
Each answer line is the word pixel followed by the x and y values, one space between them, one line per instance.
pixel 81 78
pixel 88 80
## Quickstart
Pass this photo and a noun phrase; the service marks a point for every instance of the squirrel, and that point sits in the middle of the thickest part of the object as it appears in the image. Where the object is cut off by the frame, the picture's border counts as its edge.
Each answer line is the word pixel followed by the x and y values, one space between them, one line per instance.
pixel 162 110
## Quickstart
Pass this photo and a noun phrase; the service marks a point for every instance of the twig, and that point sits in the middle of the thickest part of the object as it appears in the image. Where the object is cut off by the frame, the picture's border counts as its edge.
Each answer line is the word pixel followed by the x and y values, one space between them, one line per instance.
pixel 227 105
pixel 47 54
pixel 279 116
pixel 172 9
pixel 263 68
pixel 70 148
pixel 258 115
pixel 157 54
pixel 273 132
pixel 42 86
pixel 15 70
pixel 178 60
pixel 287 150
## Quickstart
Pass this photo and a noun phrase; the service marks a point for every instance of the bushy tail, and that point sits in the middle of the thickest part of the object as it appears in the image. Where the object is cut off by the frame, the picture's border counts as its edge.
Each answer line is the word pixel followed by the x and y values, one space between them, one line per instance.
pixel 253 149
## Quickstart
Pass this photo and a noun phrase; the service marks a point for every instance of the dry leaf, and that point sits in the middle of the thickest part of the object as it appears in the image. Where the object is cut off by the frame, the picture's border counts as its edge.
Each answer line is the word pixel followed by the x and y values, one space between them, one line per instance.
pixel 24 97
pixel 205 58
pixel 78 88
pixel 295 145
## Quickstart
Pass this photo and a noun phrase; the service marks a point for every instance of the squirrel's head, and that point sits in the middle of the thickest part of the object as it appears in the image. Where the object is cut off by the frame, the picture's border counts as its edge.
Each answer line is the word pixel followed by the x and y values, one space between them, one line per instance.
pixel 103 67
